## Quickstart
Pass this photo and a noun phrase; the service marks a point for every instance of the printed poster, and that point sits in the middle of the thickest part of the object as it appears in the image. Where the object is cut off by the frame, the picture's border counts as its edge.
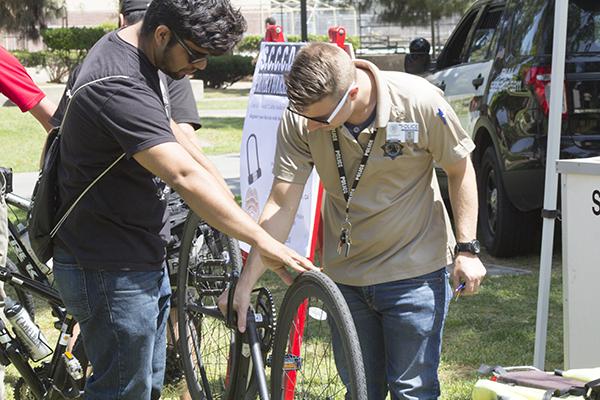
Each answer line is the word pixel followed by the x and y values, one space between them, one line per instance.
pixel 266 105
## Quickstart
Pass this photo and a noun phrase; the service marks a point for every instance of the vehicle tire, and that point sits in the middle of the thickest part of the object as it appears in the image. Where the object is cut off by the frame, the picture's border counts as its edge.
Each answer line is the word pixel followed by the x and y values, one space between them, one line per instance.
pixel 306 367
pixel 503 230
pixel 23 297
pixel 206 261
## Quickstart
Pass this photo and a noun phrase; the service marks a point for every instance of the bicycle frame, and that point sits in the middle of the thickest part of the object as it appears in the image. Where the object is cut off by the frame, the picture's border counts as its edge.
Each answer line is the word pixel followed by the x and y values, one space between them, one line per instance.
pixel 32 279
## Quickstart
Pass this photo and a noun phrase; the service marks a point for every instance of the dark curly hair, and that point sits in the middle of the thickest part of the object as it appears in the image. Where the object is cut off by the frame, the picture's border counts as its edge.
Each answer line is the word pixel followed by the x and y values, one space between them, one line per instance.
pixel 211 24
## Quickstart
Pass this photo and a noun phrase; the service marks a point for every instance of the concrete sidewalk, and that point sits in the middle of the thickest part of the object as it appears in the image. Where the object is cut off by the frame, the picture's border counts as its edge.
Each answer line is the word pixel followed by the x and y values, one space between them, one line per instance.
pixel 227 164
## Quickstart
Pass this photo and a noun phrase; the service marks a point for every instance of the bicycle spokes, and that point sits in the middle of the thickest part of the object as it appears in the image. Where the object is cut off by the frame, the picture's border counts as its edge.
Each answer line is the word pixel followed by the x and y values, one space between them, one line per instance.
pixel 309 367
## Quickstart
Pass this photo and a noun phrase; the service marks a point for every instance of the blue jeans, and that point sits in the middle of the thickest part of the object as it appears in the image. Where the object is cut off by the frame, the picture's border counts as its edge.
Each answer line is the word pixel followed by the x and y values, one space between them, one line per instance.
pixel 123 318
pixel 399 326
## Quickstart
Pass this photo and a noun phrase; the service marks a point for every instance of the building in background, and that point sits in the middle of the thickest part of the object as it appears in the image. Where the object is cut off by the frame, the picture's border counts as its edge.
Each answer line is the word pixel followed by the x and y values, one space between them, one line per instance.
pixel 90 12
pixel 322 14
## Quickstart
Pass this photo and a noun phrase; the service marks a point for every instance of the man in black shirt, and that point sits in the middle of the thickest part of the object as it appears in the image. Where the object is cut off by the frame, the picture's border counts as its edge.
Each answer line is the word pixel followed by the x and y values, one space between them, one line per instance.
pixel 109 255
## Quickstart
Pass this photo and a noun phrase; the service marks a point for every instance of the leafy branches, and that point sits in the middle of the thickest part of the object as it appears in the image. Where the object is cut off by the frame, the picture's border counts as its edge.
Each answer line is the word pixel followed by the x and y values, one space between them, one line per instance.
pixel 28 17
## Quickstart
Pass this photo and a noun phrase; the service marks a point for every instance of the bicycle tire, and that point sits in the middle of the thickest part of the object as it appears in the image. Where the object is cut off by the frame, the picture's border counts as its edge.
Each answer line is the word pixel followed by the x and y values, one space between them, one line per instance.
pixel 325 307
pixel 207 353
pixel 24 298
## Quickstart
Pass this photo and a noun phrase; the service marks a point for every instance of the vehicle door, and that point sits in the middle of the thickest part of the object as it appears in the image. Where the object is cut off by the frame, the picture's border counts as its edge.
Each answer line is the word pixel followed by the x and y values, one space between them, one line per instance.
pixel 465 65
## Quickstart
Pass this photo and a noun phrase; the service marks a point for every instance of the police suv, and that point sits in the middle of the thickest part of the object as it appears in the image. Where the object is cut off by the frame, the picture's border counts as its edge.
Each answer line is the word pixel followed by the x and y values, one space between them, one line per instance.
pixel 495 72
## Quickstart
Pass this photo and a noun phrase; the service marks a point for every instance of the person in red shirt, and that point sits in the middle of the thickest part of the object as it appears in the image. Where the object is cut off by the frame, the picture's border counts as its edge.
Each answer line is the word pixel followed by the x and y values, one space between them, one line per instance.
pixel 17 85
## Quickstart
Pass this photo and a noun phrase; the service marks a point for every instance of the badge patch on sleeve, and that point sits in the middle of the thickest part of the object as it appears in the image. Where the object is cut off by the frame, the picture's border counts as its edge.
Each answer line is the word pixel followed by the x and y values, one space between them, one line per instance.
pixel 440 113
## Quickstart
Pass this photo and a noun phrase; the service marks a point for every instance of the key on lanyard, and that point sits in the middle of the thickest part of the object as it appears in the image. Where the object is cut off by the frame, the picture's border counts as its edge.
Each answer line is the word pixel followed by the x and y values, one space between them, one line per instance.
pixel 345 239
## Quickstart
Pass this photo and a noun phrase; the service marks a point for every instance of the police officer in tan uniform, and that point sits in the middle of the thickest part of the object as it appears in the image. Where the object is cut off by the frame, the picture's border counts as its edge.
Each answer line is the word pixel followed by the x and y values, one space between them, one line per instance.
pixel 373 137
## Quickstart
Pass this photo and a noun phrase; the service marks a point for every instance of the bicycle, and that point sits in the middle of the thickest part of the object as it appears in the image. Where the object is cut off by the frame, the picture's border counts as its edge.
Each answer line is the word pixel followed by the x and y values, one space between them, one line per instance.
pixel 226 364
pixel 27 275
pixel 63 377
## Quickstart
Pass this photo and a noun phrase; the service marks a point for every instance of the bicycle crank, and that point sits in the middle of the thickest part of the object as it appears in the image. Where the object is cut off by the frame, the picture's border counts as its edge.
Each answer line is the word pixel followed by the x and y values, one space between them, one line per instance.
pixel 266 318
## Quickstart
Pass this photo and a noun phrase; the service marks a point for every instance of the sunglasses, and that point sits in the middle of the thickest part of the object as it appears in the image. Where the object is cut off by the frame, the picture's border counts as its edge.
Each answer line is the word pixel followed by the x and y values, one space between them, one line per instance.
pixel 334 113
pixel 194 56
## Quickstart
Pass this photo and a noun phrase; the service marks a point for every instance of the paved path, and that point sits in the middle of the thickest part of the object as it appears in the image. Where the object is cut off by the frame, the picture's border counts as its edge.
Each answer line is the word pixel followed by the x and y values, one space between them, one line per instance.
pixel 227 164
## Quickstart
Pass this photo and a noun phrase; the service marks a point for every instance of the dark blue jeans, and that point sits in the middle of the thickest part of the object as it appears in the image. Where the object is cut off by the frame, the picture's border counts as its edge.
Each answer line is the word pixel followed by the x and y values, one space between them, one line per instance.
pixel 123 318
pixel 399 326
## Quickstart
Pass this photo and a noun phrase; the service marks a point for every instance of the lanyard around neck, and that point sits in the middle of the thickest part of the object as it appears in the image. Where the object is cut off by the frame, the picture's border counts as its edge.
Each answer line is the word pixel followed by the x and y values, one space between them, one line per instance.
pixel 348 194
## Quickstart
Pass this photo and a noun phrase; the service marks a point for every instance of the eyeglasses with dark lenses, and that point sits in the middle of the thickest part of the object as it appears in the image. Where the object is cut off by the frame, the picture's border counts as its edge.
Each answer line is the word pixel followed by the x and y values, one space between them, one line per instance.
pixel 194 56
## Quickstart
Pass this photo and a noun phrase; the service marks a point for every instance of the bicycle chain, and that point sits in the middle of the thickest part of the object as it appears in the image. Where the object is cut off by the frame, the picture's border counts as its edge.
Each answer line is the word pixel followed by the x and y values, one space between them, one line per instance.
pixel 265 306
pixel 174 367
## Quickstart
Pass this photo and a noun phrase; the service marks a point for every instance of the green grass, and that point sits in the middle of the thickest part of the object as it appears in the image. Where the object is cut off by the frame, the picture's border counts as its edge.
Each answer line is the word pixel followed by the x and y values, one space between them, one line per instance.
pixel 222 104
pixel 21 140
pixel 497 327
pixel 221 135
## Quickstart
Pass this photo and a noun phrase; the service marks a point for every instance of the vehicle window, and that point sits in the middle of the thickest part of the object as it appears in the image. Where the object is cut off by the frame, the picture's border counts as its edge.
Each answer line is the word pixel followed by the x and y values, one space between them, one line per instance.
pixel 583 28
pixel 454 47
pixel 483 35
pixel 526 27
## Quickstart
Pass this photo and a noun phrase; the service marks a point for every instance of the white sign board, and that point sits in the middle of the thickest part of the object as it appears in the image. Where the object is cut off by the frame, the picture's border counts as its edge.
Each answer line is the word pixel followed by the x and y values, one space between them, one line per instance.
pixel 580 180
pixel 266 105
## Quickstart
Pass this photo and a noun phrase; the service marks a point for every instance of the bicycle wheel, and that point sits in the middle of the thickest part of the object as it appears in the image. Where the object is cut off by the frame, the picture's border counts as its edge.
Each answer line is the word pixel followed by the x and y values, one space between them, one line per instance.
pixel 303 364
pixel 206 262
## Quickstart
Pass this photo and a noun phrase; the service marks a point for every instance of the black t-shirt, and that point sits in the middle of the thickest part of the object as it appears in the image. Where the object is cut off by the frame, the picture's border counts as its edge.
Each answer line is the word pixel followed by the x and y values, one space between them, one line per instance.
pixel 122 222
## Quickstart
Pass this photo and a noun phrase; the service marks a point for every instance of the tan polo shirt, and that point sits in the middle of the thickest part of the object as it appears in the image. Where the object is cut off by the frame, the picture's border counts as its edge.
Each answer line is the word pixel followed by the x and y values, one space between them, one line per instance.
pixel 400 227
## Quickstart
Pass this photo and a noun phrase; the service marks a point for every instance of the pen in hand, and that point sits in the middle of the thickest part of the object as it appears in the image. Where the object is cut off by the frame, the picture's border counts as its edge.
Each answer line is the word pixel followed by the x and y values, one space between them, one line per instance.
pixel 459 290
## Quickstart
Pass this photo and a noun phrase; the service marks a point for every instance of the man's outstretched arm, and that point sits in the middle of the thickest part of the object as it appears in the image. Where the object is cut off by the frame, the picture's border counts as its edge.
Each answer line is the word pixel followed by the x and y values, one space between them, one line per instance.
pixel 172 163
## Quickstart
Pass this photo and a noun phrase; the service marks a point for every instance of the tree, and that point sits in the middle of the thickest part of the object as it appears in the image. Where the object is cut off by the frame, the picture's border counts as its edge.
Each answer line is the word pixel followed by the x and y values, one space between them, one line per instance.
pixel 28 17
pixel 415 12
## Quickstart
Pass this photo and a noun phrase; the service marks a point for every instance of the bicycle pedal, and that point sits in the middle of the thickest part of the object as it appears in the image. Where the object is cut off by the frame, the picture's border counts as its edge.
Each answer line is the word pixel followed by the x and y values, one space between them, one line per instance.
pixel 292 363
pixel 73 366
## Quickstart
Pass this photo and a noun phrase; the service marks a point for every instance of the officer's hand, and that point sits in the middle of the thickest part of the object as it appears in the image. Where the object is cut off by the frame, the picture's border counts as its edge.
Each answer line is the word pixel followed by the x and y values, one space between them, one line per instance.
pixel 468 269
pixel 241 303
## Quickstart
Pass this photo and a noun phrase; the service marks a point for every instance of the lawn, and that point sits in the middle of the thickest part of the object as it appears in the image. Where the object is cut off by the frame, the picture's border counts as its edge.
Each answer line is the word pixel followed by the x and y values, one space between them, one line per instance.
pixel 221 135
pixel 222 104
pixel 22 138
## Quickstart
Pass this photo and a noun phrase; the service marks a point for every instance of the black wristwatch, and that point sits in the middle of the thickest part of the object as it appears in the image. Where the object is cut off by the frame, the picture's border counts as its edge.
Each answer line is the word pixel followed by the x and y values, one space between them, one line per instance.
pixel 472 247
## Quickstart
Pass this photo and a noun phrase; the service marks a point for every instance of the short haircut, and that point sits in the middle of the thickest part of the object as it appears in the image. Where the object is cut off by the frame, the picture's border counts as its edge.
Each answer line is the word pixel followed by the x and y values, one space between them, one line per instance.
pixel 211 24
pixel 134 17
pixel 319 70
pixel 270 21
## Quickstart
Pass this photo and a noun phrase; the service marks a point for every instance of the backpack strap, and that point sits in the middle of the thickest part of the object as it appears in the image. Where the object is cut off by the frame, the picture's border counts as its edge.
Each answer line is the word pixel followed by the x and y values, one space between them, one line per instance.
pixel 87 189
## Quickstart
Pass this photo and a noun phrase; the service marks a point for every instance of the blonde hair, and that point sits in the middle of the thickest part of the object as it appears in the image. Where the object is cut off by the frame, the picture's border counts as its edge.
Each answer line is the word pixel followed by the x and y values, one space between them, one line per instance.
pixel 319 70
